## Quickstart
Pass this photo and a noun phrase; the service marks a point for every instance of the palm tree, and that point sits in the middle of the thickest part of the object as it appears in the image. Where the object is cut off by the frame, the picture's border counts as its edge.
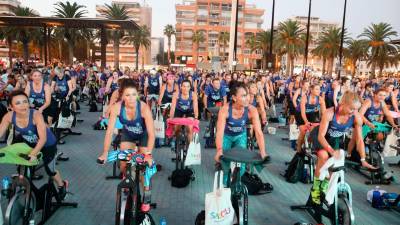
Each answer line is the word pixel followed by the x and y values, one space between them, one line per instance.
pixel 291 38
pixel 198 37
pixel 116 12
pixel 223 39
pixel 139 38
pixel 253 44
pixel 382 51
pixel 169 30
pixel 263 39
pixel 22 34
pixel 70 10
pixel 355 51
pixel 329 45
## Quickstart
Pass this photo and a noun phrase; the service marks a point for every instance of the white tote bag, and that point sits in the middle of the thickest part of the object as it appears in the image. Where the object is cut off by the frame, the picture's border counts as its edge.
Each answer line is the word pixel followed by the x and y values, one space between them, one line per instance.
pixel 219 209
pixel 193 156
pixel 159 125
pixel 391 139
pixel 293 132
pixel 65 122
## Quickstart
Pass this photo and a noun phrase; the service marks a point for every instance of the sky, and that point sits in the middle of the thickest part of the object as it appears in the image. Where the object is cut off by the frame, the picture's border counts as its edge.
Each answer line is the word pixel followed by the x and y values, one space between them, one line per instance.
pixel 360 13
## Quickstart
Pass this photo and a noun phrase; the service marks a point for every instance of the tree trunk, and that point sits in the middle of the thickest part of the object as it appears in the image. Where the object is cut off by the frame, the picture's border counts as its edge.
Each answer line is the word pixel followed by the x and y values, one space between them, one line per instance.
pixel 137 59
pixel 59 50
pixel 169 50
pixel 373 67
pixel 381 70
pixel 331 66
pixel 291 65
pixel 353 69
pixel 70 52
pixel 25 46
pixel 264 61
pixel 9 43
pixel 288 66
pixel 323 65
pixel 116 50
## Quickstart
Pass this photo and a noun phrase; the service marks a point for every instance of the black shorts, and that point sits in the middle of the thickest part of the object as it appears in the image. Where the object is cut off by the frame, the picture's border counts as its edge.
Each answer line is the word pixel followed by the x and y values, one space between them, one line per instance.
pixel 311 117
pixel 141 142
pixel 180 114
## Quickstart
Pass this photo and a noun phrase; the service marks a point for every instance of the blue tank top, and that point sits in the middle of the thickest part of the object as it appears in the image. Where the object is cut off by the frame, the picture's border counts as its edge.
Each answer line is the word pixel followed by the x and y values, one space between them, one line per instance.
pixel 215 95
pixel 234 126
pixel 30 134
pixel 62 86
pixel 184 105
pixel 388 99
pixel 329 93
pixel 310 108
pixel 37 99
pixel 114 86
pixel 336 130
pixel 254 103
pixel 169 94
pixel 134 128
pixel 372 113
pixel 298 100
pixel 154 84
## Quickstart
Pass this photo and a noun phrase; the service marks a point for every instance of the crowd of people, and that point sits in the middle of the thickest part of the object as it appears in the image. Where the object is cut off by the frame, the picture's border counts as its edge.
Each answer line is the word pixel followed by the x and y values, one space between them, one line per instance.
pixel 328 108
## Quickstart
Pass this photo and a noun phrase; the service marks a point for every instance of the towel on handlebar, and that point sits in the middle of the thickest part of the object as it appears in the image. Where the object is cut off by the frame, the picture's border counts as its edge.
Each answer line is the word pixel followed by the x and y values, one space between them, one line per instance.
pixel 379 127
pixel 12 155
pixel 395 115
pixel 333 182
pixel 181 121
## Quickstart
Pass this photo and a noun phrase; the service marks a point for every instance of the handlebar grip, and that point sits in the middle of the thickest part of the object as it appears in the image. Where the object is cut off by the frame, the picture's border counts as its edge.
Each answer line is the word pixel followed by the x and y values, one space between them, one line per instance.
pixel 24 156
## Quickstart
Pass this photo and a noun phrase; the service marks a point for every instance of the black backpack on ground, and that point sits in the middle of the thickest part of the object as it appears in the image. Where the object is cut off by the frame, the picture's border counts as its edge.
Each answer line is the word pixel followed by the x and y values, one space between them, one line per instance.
pixel 93 107
pixel 295 170
pixel 181 178
pixel 201 218
pixel 254 184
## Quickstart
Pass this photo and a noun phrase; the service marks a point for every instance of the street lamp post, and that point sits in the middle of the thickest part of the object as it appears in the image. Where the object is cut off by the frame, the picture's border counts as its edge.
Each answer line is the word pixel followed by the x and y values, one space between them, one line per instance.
pixel 236 31
pixel 342 39
pixel 272 34
pixel 307 39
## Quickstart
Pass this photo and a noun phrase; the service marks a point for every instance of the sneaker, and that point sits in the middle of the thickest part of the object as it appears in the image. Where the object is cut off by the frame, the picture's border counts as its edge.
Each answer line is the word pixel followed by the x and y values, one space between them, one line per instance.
pixel 62 191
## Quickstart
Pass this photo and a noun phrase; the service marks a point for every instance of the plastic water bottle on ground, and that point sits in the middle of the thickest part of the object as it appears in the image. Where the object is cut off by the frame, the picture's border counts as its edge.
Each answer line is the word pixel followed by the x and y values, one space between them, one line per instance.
pixel 163 221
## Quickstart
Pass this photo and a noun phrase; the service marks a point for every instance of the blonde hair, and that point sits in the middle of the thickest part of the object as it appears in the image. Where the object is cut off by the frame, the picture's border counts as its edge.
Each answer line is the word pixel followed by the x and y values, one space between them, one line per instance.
pixel 351 98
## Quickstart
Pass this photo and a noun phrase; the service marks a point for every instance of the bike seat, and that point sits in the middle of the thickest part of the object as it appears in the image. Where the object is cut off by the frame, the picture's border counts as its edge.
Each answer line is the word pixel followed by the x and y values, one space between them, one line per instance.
pixel 213 110
pixel 242 156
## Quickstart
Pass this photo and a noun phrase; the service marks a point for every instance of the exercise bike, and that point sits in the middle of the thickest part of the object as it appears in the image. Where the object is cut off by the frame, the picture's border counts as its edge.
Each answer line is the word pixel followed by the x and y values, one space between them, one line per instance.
pixel 25 199
pixel 336 204
pixel 211 129
pixel 240 200
pixel 373 157
pixel 129 198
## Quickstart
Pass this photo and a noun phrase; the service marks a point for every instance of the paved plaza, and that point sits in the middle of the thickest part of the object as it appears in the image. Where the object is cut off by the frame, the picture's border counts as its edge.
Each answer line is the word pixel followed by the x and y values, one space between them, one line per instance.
pixel 96 196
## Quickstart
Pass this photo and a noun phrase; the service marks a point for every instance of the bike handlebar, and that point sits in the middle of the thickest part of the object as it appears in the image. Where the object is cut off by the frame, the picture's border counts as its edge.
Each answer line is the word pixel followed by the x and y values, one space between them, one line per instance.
pixel 24 156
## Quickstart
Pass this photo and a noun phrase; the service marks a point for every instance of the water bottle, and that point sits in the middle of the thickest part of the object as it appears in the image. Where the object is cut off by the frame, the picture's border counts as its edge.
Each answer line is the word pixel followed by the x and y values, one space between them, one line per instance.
pixel 376 197
pixel 172 145
pixel 32 222
pixel 163 221
pixel 366 150
pixel 6 181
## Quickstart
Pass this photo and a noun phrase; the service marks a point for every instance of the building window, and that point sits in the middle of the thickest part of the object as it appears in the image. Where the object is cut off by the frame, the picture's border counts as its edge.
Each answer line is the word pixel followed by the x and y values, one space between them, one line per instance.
pixel 246 60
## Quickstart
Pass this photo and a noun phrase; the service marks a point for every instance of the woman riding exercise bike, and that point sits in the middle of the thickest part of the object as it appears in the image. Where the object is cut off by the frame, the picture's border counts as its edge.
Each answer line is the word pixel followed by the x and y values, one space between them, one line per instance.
pixel 336 122
pixel 311 106
pixel 184 104
pixel 29 124
pixel 138 126
pixel 231 126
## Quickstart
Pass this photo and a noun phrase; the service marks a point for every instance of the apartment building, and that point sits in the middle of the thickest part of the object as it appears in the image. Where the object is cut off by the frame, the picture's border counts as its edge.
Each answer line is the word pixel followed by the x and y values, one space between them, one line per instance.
pixel 317 27
pixel 142 15
pixel 211 17
pixel 6 8
pixel 157 49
